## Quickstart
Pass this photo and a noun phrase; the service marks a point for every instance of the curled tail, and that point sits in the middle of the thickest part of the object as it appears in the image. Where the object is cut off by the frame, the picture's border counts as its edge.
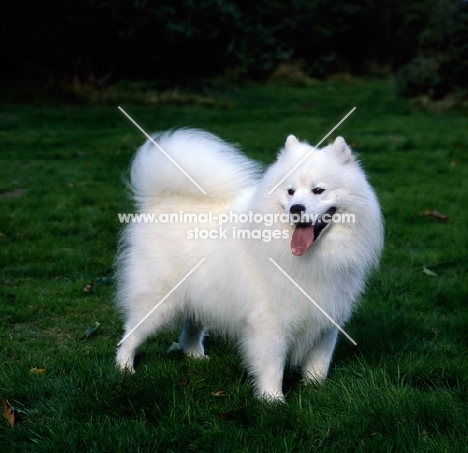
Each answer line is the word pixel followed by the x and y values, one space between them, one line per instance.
pixel 216 167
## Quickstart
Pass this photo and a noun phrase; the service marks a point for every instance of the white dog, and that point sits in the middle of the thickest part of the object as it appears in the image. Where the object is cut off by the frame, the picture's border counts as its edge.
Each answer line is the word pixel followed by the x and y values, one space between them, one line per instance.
pixel 240 288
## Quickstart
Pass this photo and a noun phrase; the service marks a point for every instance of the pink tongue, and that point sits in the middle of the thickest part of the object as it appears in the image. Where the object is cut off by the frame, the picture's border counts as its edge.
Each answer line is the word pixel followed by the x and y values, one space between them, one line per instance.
pixel 301 240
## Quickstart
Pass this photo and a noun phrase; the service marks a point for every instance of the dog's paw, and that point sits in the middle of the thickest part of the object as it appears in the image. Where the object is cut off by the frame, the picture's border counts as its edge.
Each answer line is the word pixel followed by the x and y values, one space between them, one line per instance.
pixel 196 355
pixel 124 362
pixel 271 397
pixel 125 368
pixel 174 347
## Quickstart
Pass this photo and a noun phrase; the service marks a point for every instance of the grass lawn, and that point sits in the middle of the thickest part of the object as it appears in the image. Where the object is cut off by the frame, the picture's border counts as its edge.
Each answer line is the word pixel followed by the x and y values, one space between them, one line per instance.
pixel 404 388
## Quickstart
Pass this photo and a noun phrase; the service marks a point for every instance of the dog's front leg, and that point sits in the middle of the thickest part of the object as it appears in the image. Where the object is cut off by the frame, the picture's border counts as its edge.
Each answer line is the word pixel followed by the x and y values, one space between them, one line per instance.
pixel 265 357
pixel 316 362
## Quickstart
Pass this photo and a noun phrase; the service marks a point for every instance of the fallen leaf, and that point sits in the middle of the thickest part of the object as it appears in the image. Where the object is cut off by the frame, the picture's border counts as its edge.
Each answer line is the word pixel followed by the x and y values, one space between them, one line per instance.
pixel 219 393
pixel 103 281
pixel 8 412
pixel 15 193
pixel 435 214
pixel 90 330
pixel 37 370
pixel 429 272
pixel 223 415
pixel 88 288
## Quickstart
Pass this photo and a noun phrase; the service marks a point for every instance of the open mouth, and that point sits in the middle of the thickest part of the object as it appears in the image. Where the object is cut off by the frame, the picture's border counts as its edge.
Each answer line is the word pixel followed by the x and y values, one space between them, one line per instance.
pixel 306 233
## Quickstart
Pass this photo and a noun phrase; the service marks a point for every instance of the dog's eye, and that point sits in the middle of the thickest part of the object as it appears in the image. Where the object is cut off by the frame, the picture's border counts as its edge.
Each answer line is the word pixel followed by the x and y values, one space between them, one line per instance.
pixel 291 191
pixel 317 191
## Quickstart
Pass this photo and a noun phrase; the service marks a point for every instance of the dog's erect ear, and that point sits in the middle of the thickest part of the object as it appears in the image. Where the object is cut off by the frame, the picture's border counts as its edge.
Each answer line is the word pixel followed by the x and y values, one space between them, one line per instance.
pixel 343 151
pixel 291 141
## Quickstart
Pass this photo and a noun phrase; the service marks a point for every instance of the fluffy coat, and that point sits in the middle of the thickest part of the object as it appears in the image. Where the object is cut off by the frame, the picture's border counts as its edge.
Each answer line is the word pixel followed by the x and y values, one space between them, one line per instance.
pixel 236 290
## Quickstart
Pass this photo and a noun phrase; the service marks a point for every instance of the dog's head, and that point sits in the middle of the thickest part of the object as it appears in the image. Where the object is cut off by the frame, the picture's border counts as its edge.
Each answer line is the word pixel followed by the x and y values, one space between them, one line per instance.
pixel 312 193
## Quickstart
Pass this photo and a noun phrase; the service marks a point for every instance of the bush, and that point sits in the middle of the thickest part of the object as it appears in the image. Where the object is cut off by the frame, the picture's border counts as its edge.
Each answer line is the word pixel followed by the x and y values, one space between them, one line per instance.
pixel 94 40
pixel 434 61
pixel 421 76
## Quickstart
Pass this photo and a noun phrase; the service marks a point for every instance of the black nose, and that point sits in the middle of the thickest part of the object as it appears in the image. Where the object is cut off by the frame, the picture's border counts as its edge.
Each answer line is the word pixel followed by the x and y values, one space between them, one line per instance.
pixel 297 209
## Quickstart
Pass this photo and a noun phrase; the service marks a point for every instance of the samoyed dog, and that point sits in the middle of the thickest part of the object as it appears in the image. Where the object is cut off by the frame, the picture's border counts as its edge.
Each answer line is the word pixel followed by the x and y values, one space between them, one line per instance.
pixel 226 246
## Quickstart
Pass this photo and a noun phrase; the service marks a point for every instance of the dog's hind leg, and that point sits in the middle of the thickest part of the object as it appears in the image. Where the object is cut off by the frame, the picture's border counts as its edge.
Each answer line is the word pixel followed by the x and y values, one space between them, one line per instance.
pixel 191 339
pixel 128 348
pixel 138 328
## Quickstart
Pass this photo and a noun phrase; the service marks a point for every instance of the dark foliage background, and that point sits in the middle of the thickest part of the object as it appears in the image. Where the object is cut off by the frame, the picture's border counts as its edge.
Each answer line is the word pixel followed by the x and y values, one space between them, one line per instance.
pixel 432 47
pixel 426 41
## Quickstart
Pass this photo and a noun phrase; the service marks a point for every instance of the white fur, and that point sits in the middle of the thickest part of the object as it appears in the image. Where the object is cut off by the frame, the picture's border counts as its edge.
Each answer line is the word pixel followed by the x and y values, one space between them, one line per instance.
pixel 237 291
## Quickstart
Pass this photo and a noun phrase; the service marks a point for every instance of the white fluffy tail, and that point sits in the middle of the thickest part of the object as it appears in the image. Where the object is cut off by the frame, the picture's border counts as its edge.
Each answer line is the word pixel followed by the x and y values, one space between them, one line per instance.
pixel 217 167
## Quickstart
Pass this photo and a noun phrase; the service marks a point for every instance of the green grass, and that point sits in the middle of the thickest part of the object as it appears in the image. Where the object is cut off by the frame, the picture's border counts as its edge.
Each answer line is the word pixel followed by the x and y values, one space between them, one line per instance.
pixel 403 389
